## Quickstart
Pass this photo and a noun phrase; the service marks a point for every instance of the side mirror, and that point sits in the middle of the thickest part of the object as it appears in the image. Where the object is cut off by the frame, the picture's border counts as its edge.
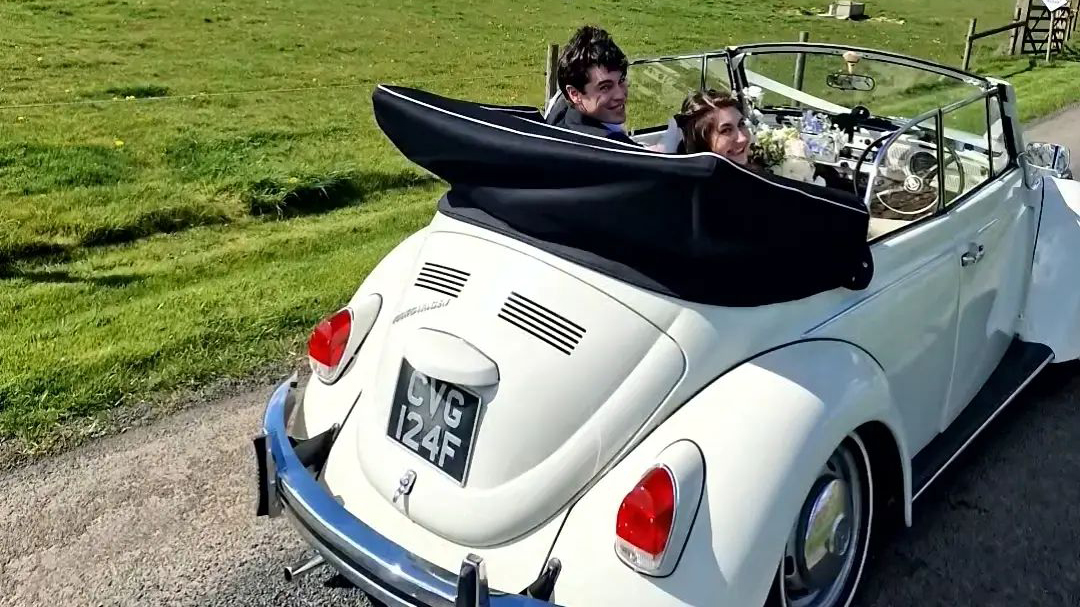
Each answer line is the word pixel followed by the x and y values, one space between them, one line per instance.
pixel 1040 159
pixel 850 82
pixel 1052 156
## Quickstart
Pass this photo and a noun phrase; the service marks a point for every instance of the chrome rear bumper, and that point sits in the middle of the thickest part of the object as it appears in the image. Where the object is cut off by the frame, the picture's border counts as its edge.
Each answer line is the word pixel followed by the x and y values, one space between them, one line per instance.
pixel 386 571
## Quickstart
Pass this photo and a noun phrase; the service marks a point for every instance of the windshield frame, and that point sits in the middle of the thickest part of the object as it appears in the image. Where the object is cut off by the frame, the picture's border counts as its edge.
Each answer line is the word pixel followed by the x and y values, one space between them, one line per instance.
pixel 734 58
pixel 740 81
pixel 736 55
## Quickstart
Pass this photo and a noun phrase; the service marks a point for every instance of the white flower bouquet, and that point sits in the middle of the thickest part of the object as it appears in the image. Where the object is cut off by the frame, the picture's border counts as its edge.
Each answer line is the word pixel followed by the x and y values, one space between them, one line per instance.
pixel 782 152
pixel 768 148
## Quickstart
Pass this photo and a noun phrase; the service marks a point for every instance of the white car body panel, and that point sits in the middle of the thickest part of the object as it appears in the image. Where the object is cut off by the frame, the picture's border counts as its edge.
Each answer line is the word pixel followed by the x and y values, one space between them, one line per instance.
pixel 512 565
pixel 1000 218
pixel 1052 310
pixel 915 372
pixel 333 402
pixel 766 393
pixel 917 361
pixel 807 414
pixel 714 338
pixel 537 448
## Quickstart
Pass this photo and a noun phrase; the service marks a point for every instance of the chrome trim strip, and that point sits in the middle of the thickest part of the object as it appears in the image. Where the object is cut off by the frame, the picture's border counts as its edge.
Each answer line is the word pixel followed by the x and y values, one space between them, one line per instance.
pixel 939 138
pixel 367 558
pixel 984 424
pixel 668 58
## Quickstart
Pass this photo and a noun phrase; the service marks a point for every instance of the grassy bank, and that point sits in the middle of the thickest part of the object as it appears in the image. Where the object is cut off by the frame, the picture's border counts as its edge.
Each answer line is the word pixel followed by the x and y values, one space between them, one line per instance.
pixel 169 311
pixel 186 187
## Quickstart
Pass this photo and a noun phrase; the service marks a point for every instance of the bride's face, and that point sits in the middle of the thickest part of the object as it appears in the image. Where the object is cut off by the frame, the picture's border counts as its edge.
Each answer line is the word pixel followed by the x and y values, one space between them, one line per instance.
pixel 731 137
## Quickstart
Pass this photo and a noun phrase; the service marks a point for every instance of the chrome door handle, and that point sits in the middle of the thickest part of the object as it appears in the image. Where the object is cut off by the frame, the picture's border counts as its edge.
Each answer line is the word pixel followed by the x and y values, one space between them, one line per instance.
pixel 973 255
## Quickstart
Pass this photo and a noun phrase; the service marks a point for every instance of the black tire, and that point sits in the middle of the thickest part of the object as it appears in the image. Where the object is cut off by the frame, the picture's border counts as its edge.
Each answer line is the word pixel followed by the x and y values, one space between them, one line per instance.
pixel 842 590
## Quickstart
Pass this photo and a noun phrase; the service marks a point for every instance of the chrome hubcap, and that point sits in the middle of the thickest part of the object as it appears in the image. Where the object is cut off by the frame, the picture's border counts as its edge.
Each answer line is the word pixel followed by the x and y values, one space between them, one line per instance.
pixel 823 546
pixel 841 536
pixel 826 535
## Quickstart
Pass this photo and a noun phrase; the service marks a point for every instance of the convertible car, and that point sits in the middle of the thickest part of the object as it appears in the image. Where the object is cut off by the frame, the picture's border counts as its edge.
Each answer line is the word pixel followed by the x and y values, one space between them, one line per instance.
pixel 616 375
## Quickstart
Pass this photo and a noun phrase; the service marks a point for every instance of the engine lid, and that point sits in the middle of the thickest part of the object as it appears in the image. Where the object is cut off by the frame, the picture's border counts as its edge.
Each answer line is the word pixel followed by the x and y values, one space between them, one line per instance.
pixel 503 386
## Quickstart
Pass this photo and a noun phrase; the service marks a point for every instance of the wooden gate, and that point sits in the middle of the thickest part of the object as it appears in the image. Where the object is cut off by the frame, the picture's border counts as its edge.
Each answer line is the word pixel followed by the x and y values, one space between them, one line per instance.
pixel 1044 27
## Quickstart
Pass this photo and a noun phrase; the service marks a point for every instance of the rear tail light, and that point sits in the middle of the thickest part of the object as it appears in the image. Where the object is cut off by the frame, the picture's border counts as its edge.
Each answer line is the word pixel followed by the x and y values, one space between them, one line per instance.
pixel 644 522
pixel 328 343
pixel 336 340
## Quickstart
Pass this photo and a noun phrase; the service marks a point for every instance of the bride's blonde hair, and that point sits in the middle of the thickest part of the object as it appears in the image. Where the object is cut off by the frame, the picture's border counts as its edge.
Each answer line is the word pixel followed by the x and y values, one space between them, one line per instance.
pixel 698 117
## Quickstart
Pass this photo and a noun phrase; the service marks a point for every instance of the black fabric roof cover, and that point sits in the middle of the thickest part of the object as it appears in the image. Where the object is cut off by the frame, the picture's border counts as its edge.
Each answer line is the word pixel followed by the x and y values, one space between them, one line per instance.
pixel 696 227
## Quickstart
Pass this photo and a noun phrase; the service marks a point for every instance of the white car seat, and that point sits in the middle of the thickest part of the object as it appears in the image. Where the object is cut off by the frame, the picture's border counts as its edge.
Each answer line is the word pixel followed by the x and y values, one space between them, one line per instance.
pixel 672 138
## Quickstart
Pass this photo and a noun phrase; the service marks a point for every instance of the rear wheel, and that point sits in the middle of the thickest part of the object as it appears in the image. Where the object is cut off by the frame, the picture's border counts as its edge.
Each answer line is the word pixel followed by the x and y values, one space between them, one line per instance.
pixel 826 549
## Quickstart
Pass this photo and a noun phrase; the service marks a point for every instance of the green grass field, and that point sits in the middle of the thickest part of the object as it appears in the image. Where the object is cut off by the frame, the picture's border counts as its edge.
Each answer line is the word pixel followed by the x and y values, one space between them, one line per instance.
pixel 186 187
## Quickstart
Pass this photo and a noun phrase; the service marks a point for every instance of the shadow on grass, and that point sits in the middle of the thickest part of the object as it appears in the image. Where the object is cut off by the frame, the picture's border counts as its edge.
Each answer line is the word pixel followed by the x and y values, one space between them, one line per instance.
pixel 1068 53
pixel 157 221
pixel 1032 62
pixel 13 252
pixel 35 168
pixel 295 197
pixel 139 91
pixel 196 157
pixel 61 277
pixel 270 198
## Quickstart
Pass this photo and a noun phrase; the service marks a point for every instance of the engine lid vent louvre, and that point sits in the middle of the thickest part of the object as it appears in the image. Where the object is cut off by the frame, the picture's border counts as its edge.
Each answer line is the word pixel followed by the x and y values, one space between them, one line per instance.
pixel 546 325
pixel 441 279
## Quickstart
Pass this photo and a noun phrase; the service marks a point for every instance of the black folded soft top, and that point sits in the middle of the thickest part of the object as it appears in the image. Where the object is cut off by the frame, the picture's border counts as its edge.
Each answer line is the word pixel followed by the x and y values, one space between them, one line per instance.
pixel 697 226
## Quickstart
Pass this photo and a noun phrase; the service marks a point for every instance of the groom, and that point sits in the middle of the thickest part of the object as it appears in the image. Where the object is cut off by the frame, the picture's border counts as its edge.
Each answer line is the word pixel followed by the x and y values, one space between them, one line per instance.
pixel 592 79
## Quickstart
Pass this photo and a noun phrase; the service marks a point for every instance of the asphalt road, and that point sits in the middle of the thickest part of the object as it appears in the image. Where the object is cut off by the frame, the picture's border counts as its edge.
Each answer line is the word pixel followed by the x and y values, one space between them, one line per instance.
pixel 164 515
pixel 1060 128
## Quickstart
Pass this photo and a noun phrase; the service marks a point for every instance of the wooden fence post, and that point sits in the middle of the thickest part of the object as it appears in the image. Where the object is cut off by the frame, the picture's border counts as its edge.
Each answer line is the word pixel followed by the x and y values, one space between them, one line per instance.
pixel 1016 35
pixel 1050 35
pixel 800 62
pixel 967 45
pixel 551 73
pixel 1025 16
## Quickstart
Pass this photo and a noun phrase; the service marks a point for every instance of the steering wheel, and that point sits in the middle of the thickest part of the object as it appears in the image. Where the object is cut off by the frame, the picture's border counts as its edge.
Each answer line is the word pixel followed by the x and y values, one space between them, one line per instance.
pixel 914 184
pixel 862 159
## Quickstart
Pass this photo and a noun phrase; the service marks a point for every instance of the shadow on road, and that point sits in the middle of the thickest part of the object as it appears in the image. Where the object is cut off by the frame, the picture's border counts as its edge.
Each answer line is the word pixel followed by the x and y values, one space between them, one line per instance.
pixel 1001 525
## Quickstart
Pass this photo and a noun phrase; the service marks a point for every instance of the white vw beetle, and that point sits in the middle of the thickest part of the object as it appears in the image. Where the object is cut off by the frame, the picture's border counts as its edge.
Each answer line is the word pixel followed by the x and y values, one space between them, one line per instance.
pixel 609 375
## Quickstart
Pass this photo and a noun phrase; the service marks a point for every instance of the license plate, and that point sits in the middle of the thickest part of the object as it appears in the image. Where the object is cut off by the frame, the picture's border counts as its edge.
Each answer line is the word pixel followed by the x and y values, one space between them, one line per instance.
pixel 434 419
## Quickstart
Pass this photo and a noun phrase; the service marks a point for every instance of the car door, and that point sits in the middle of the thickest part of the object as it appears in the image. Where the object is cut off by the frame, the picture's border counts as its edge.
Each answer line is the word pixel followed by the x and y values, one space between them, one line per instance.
pixel 907 317
pixel 995 223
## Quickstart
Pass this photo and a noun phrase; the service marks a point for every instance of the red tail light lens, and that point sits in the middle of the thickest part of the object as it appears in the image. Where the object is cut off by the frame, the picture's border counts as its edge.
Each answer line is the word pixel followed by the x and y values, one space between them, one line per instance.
pixel 326 346
pixel 643 525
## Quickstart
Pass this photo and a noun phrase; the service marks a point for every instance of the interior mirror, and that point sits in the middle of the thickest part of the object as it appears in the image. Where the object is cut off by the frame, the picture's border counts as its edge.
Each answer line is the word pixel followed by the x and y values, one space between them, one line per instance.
pixel 850 82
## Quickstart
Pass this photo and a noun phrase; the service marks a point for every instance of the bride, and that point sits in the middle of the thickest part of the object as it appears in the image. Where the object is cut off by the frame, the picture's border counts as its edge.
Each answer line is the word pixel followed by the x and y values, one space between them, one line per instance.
pixel 711 121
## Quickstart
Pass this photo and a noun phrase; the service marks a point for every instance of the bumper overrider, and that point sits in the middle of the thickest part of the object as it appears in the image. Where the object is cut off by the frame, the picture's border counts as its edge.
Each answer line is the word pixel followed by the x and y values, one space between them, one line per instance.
pixel 389 573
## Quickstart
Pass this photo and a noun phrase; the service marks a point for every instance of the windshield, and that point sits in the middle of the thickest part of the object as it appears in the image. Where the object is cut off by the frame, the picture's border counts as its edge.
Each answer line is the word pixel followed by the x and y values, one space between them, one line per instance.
pixel 836 80
pixel 906 136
